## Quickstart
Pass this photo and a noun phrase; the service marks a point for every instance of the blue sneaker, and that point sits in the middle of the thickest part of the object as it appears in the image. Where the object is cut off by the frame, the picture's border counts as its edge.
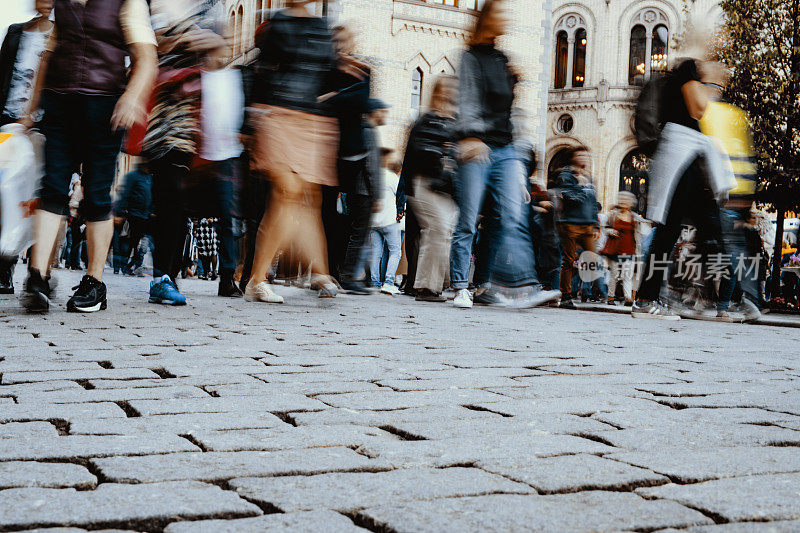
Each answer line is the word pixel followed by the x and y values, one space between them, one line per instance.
pixel 164 291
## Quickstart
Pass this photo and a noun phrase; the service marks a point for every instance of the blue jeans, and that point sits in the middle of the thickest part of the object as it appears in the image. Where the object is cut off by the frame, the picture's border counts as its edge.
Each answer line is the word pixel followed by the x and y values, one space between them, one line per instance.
pixel 742 272
pixel 497 185
pixel 390 236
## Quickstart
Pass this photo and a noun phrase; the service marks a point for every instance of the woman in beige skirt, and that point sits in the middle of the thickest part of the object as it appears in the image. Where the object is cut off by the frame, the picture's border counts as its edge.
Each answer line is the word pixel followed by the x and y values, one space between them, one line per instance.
pixel 296 143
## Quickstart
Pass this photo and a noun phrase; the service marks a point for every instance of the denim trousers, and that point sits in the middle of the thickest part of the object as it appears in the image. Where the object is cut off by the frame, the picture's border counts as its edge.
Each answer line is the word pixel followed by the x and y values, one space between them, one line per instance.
pixel 387 236
pixel 743 271
pixel 494 189
pixel 78 133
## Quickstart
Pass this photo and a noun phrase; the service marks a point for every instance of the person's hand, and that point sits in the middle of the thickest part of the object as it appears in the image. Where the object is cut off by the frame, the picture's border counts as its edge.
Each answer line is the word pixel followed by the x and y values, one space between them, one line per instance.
pixel 350 65
pixel 26 122
pixel 128 111
pixel 547 205
pixel 377 206
pixel 526 195
pixel 202 40
pixel 612 233
pixel 400 215
pixel 119 221
pixel 473 151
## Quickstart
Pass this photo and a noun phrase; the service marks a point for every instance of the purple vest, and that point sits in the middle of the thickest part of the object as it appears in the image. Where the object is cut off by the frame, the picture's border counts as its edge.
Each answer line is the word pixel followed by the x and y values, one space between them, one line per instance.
pixel 90 51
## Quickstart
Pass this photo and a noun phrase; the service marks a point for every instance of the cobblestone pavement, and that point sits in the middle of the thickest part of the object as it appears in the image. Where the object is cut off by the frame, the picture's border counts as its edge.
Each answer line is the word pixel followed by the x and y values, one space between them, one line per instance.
pixel 389 415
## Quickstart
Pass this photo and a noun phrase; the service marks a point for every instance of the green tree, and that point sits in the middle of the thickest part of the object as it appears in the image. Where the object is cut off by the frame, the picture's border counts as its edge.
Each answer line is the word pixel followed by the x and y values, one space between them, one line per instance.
pixel 761 44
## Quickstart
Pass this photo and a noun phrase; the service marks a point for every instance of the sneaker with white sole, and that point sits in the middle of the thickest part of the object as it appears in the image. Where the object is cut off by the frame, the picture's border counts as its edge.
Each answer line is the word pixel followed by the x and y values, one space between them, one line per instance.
pixel 262 293
pixel 655 310
pixel 537 297
pixel 751 312
pixel 463 300
pixel 388 288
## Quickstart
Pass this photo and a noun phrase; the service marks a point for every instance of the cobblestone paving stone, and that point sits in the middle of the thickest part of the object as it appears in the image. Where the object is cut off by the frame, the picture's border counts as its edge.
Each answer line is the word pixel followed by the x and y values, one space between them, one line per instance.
pixel 382 414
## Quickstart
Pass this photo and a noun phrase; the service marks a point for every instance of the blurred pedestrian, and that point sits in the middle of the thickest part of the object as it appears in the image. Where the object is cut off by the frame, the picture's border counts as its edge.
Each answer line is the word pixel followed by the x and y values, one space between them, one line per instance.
pixel 88 100
pixel 297 141
pixel 385 234
pixel 620 246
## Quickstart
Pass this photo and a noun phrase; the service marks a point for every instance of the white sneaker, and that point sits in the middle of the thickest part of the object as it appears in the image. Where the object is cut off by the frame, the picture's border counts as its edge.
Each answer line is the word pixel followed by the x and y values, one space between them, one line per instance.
pixel 751 312
pixel 262 293
pixel 390 289
pixel 463 300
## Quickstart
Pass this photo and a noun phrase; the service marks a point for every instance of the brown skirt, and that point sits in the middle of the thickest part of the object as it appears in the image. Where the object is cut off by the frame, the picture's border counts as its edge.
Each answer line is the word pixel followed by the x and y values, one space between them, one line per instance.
pixel 294 141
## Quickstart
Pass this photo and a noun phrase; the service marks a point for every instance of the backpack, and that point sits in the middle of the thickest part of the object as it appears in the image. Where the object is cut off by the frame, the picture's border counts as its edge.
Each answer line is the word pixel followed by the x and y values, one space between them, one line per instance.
pixel 647 119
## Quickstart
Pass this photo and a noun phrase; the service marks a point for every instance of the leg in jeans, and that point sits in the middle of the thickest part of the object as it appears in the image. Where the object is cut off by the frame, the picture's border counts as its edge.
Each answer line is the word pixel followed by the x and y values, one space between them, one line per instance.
pixel 170 232
pixel 63 130
pixel 412 243
pixel 376 238
pixel 99 168
pixel 392 237
pixel 360 212
pixel 470 188
pixel 225 187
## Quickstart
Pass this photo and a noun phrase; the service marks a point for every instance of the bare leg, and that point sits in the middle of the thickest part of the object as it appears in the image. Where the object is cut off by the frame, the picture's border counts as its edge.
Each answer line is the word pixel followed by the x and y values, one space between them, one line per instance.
pixel 277 225
pixel 98 241
pixel 46 226
pixel 312 242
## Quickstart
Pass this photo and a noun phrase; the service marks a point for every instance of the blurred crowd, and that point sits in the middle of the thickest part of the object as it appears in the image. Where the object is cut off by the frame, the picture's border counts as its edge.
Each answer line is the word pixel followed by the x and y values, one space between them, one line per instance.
pixel 274 172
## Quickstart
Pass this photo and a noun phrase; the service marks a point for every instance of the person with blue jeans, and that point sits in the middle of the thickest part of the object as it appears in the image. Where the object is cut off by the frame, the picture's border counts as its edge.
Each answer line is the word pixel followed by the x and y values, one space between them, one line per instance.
pixel 386 230
pixel 743 270
pixel 491 173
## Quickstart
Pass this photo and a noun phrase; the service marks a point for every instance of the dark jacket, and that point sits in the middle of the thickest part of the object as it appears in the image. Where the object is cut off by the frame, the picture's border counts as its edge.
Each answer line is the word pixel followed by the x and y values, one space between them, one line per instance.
pixel 350 105
pixel 426 154
pixel 296 64
pixel 486 96
pixel 90 49
pixel 8 56
pixel 135 198
pixel 578 202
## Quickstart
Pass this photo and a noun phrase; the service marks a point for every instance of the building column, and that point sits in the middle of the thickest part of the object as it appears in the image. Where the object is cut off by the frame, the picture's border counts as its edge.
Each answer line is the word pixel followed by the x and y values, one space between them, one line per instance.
pixel 648 55
pixel 570 59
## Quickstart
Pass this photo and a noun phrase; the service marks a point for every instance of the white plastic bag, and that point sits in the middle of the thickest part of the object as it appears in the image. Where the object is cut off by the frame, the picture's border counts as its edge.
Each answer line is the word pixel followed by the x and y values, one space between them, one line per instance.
pixel 20 170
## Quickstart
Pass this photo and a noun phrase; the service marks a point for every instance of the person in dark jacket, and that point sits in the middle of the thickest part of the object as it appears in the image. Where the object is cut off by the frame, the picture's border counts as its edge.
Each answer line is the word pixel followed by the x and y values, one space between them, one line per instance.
pixel 430 191
pixel 363 199
pixel 23 47
pixel 579 225
pixel 88 101
pixel 134 206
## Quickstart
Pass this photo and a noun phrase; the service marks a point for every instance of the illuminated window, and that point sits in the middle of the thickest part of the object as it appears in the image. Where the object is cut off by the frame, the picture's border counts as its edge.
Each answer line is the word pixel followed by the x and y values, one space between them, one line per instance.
pixel 571 45
pixel 649 46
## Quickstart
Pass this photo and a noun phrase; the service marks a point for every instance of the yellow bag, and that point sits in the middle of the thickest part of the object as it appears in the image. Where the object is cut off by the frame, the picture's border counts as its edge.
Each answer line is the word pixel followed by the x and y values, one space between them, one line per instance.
pixel 730 128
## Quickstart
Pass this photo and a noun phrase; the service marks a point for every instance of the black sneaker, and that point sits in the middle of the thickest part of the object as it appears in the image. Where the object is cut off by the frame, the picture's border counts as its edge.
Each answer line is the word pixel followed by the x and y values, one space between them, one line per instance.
pixel 567 303
pixel 36 293
pixel 356 287
pixel 489 297
pixel 89 297
pixel 228 288
pixel 427 295
pixel 6 277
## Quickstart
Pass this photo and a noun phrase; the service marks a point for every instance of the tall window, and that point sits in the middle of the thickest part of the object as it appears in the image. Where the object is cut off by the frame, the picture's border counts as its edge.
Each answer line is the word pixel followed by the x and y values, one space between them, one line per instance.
pixel 416 92
pixel 570 49
pixel 259 14
pixel 579 63
pixel 634 177
pixel 649 45
pixel 239 32
pixel 562 51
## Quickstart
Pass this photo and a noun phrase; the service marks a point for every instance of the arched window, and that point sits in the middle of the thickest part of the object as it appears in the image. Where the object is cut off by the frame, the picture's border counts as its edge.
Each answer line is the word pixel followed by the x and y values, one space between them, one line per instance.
pixel 649 45
pixel 232 27
pixel 579 63
pixel 634 178
pixel 239 33
pixel 562 49
pixel 416 92
pixel 570 49
pixel 259 14
pixel 558 161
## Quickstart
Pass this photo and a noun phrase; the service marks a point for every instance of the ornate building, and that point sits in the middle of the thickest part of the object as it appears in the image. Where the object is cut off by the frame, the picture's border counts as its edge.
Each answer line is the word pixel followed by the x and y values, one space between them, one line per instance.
pixel 410 42
pixel 603 51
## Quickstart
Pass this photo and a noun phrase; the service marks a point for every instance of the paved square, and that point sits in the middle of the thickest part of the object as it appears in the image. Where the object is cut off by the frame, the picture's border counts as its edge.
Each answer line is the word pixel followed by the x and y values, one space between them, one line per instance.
pixel 379 413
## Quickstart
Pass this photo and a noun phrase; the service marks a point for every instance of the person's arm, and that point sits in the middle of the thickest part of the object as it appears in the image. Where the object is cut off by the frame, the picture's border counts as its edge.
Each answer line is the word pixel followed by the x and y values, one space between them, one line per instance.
pixel 696 97
pixel 131 106
pixel 470 124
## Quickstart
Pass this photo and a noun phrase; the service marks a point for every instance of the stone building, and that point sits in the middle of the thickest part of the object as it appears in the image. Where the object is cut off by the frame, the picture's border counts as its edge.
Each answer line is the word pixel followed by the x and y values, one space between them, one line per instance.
pixel 600 51
pixel 410 42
